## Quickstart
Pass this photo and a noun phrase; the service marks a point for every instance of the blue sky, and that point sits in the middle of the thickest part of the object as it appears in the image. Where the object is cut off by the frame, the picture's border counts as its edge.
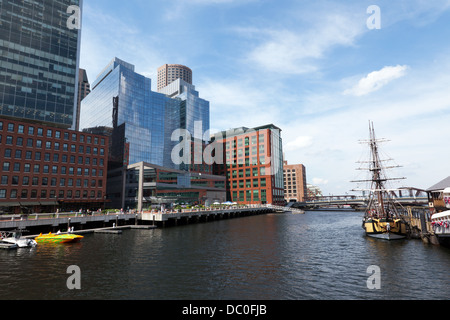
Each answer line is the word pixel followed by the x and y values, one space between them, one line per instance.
pixel 313 68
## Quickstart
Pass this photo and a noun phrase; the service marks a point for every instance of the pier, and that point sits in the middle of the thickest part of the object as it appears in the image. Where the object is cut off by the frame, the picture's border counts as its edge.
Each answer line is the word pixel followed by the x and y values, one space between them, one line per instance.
pixel 82 223
pixel 195 216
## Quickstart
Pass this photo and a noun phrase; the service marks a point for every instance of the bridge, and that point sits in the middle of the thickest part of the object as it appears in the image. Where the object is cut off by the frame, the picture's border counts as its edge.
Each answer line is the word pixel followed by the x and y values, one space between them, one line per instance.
pixel 403 196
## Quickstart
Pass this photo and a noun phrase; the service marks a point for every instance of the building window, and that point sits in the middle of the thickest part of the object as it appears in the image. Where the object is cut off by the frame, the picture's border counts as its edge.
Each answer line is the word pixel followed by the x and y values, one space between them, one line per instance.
pixel 13 194
pixel 6 166
pixel 26 181
pixel 7 153
pixel 24 194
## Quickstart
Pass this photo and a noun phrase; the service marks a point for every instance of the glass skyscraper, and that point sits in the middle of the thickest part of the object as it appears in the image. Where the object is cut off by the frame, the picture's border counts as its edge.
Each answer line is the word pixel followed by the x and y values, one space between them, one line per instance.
pixel 148 118
pixel 194 111
pixel 39 56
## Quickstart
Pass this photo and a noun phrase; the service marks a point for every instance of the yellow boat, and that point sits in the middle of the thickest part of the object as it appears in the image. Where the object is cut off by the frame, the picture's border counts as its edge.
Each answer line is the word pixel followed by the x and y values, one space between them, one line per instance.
pixel 58 238
pixel 388 229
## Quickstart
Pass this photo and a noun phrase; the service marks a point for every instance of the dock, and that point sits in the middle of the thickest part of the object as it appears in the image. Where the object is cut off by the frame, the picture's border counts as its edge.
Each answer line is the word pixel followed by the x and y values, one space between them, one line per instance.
pixel 109 231
pixel 197 216
pixel 82 223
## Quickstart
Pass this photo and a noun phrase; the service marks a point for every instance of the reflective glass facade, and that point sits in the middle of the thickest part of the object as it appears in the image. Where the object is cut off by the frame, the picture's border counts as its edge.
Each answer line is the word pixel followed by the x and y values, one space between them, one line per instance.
pixel 149 117
pixel 194 111
pixel 38 61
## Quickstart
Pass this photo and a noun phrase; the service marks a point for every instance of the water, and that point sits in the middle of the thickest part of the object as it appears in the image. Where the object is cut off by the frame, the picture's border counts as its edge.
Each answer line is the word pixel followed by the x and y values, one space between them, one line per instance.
pixel 320 255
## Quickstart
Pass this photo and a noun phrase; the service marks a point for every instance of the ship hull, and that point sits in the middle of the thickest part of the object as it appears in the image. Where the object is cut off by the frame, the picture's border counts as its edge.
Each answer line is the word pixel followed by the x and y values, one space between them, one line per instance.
pixel 385 229
pixel 386 236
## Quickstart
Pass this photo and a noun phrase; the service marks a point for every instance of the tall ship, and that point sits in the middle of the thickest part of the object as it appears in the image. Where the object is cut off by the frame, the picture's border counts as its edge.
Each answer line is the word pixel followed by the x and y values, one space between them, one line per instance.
pixel 382 217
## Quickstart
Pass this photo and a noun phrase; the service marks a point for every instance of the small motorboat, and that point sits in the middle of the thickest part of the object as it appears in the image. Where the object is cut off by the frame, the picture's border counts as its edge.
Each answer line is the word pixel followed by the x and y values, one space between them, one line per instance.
pixel 15 237
pixel 58 238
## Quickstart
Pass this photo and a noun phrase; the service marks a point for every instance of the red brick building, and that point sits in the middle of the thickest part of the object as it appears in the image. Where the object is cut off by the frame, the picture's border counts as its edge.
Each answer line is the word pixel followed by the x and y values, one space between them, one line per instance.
pixel 252 162
pixel 295 189
pixel 44 168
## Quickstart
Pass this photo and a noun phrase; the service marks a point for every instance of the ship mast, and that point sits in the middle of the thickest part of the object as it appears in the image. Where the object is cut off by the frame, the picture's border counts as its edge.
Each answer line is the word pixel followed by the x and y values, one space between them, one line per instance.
pixel 377 180
pixel 375 168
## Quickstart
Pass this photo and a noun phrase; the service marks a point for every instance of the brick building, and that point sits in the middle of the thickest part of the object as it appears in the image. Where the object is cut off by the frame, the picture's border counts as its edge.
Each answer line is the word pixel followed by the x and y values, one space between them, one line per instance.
pixel 44 168
pixel 252 163
pixel 295 182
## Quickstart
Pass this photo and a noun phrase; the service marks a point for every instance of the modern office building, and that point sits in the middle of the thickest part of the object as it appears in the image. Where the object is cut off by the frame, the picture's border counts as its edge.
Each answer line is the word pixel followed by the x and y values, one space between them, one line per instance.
pixel 194 119
pixel 295 189
pixel 145 126
pixel 84 88
pixel 142 120
pixel 168 73
pixel 252 161
pixel 44 168
pixel 39 61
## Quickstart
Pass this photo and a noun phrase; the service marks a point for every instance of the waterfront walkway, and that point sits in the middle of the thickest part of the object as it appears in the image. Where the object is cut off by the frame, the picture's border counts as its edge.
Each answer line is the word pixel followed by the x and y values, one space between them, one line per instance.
pixel 96 220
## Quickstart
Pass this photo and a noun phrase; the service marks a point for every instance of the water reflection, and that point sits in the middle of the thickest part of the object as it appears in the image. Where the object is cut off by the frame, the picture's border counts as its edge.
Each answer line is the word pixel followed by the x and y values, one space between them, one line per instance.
pixel 320 255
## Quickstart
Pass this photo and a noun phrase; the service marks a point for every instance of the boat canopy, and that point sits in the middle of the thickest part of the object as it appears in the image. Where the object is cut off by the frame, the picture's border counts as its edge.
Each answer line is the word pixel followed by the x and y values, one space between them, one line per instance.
pixel 445 214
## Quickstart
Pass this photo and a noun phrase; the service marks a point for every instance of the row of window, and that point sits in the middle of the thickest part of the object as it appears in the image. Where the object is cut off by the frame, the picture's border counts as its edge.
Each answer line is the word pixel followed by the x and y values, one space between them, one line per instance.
pixel 250 195
pixel 240 142
pixel 245 152
pixel 56 157
pixel 51 169
pixel 51 194
pixel 49 145
pixel 44 181
pixel 249 172
pixel 249 183
pixel 51 133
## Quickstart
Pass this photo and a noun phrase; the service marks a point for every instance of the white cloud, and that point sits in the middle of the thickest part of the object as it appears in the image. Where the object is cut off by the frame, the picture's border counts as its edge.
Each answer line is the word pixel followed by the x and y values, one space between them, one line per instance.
pixel 299 143
pixel 296 51
pixel 376 80
pixel 319 181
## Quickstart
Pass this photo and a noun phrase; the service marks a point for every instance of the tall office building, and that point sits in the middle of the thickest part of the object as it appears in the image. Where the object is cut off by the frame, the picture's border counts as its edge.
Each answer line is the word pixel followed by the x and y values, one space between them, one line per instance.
pixel 39 61
pixel 168 73
pixel 84 89
pixel 145 128
pixel 295 189
pixel 252 161
pixel 142 120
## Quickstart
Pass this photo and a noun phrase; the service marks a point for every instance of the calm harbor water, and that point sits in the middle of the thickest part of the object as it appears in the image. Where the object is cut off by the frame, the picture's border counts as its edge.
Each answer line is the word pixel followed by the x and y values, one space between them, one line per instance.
pixel 320 255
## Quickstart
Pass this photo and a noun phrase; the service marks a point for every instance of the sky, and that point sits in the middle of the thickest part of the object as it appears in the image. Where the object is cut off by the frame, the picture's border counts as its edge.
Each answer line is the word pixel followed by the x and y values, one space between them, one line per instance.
pixel 319 70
